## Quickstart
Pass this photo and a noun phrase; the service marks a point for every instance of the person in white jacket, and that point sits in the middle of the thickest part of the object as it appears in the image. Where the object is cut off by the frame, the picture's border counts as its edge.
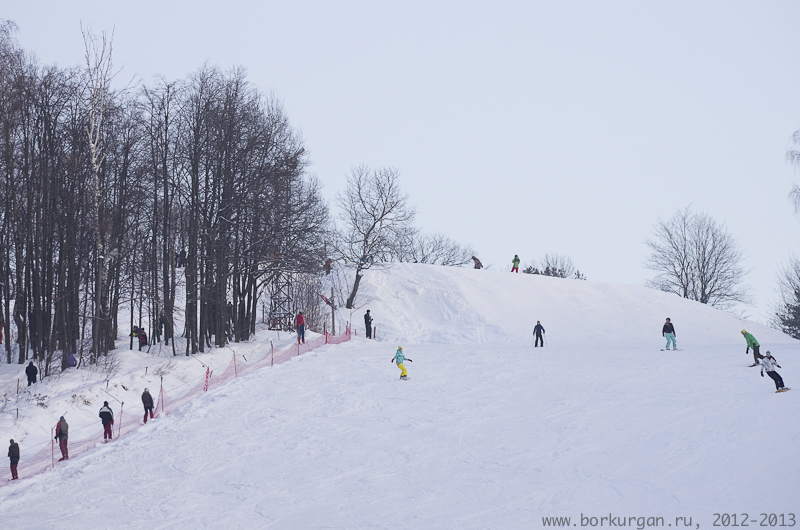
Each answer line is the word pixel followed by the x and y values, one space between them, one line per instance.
pixel 769 363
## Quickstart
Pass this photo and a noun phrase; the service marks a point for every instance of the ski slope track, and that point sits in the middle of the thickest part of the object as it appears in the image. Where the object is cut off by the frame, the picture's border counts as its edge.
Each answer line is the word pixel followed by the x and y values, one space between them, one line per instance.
pixel 488 432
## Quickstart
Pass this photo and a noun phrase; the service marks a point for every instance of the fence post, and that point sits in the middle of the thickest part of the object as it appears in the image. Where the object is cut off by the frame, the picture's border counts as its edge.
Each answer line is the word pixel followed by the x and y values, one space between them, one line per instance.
pixel 52 447
pixel 119 431
pixel 272 353
pixel 161 395
pixel 235 374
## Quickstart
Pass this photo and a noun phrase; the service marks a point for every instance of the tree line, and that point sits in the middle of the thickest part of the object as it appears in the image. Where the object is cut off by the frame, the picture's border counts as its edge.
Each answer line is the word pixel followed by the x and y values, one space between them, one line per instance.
pixel 101 189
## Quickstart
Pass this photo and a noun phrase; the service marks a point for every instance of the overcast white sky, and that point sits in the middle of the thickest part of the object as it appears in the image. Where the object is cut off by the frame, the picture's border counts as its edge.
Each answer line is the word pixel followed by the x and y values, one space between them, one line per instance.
pixel 518 127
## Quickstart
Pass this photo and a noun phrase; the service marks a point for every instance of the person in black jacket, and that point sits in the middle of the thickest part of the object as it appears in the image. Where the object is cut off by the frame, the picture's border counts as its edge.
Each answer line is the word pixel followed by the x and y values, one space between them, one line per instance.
pixel 31 371
pixel 147 401
pixel 368 324
pixel 13 454
pixel 108 420
pixel 538 330
pixel 669 331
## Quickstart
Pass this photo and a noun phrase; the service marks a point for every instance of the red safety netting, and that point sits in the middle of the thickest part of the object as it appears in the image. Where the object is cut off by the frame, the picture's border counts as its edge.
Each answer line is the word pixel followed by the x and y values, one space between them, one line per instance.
pixel 126 422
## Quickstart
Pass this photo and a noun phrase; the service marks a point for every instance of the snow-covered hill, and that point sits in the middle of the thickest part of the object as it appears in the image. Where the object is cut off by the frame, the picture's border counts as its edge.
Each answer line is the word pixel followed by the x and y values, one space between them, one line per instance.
pixel 487 433
pixel 447 305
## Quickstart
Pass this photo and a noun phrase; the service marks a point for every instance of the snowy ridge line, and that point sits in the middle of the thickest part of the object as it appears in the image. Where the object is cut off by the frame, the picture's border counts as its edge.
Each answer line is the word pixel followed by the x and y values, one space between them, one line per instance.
pixel 127 422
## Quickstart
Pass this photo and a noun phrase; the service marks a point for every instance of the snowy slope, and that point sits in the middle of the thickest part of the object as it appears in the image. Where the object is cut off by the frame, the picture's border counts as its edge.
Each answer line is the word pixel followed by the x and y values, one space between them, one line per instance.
pixel 487 433
pixel 446 305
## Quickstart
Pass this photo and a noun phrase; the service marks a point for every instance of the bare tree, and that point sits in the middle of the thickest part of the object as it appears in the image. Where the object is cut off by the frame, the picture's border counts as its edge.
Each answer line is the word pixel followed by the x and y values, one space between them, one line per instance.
pixel 787 310
pixel 376 218
pixel 98 72
pixel 698 259
pixel 435 249
pixel 556 265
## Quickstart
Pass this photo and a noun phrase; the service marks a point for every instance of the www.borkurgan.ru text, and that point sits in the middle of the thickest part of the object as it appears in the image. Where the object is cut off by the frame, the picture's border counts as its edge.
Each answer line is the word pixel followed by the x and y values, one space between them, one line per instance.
pixel 679 522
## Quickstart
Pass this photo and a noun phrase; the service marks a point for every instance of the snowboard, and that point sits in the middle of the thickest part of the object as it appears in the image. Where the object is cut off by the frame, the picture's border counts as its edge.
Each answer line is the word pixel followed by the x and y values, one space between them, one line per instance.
pixel 676 349
pixel 754 364
pixel 783 390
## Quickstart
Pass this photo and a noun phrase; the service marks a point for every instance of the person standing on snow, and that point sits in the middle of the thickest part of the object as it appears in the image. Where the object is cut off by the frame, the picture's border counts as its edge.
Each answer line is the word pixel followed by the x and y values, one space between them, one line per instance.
pixel 31 371
pixel 147 401
pixel 13 454
pixel 752 343
pixel 399 358
pixel 538 330
pixel 769 363
pixel 478 264
pixel 368 324
pixel 62 435
pixel 142 339
pixel 515 264
pixel 669 331
pixel 108 420
pixel 300 322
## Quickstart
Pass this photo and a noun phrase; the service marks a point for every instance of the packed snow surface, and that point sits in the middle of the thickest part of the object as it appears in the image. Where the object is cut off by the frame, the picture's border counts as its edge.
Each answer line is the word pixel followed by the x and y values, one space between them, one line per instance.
pixel 488 432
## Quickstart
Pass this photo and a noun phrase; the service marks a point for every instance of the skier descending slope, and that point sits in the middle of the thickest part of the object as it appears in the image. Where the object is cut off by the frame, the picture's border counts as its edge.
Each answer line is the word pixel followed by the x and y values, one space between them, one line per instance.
pixel 752 343
pixel 769 363
pixel 399 358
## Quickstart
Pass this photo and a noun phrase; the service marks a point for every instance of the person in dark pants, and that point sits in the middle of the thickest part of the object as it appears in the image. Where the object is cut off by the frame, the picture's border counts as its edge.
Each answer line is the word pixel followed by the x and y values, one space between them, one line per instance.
pixel 62 435
pixel 13 454
pixel 142 339
pixel 368 324
pixel 108 420
pixel 477 262
pixel 31 371
pixel 147 401
pixel 538 330
pixel 300 322
pixel 769 363
pixel 752 343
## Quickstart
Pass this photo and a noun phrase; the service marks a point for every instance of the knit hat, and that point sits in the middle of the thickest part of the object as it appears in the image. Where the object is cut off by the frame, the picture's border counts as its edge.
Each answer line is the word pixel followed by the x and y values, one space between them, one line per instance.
pixel 399 347
pixel 768 353
pixel 12 441
pixel 105 403
pixel 743 331
pixel 146 390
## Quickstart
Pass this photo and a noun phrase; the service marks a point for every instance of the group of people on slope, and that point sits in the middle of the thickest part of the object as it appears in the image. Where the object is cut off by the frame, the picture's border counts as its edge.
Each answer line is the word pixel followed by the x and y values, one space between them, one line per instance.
pixel 62 431
pixel 767 362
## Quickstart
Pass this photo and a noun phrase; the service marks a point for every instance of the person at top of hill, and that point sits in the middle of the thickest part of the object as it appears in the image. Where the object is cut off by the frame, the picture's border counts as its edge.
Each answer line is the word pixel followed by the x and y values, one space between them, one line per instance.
pixel 478 264
pixel 300 321
pixel 399 358
pixel 769 363
pixel 668 331
pixel 147 401
pixel 107 416
pixel 538 330
pixel 515 264
pixel 752 343
pixel 368 324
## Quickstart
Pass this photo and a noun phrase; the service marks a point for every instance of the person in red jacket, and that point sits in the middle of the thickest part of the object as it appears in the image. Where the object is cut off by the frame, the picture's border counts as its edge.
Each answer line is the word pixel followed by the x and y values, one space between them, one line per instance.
pixel 301 328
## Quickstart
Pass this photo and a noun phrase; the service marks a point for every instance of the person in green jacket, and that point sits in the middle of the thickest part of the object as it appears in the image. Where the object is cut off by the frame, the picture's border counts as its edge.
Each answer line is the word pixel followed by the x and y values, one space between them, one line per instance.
pixel 515 264
pixel 752 343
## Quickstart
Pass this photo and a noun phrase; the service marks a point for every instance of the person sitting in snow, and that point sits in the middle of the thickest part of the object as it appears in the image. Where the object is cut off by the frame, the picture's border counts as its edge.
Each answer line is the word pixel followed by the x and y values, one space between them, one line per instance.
pixel 752 343
pixel 399 358
pixel 769 363
pixel 668 331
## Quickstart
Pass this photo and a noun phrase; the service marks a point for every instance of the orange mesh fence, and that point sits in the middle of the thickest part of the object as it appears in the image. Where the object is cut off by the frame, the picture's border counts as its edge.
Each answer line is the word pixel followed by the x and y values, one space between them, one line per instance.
pixel 128 421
